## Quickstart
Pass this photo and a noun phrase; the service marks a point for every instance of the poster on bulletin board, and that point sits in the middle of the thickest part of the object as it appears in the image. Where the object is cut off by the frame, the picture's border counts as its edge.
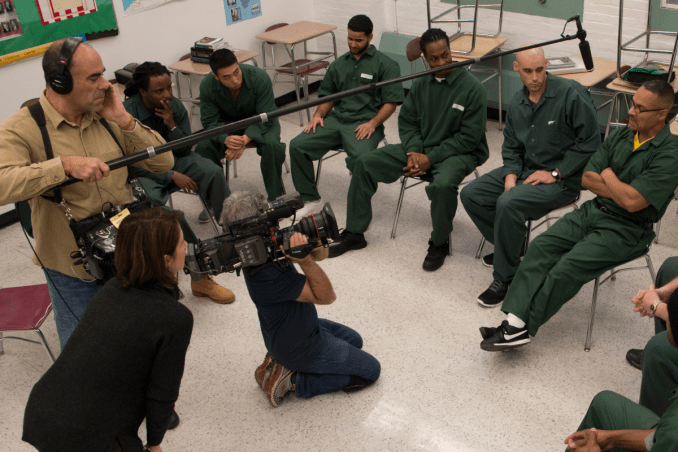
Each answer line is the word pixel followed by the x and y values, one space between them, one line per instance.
pixel 41 22
pixel 139 6
pixel 240 10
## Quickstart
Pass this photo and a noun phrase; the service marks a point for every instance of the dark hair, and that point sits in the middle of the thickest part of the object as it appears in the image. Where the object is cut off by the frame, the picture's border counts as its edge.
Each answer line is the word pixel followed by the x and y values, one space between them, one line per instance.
pixel 222 58
pixel 432 35
pixel 662 89
pixel 361 23
pixel 672 307
pixel 144 239
pixel 142 76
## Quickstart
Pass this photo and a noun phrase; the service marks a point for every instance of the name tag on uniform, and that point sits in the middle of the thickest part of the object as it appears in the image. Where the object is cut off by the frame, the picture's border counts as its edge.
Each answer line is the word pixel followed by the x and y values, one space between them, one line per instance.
pixel 367 76
pixel 458 107
pixel 551 122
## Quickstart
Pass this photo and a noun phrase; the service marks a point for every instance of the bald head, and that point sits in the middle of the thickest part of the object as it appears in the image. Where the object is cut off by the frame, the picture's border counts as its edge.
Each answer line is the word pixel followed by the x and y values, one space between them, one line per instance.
pixel 531 56
pixel 531 65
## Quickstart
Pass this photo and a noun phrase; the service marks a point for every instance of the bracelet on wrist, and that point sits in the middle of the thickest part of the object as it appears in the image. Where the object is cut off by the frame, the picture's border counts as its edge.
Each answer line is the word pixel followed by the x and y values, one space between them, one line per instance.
pixel 131 119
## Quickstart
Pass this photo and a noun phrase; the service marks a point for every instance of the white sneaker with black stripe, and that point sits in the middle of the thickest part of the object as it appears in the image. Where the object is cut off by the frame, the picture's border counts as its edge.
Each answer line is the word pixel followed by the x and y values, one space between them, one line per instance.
pixel 504 337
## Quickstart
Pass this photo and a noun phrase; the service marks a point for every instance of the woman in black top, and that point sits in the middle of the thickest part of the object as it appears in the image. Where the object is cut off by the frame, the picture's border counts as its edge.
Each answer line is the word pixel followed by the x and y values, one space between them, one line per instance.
pixel 125 359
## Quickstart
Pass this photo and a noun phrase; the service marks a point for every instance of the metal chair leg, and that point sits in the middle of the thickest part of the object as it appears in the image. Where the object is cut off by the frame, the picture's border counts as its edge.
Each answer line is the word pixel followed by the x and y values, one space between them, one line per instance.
pixel 317 172
pixel 657 227
pixel 2 344
pixel 169 201
pixel 587 345
pixel 287 167
pixel 212 220
pixel 400 205
pixel 480 247
pixel 650 268
pixel 44 342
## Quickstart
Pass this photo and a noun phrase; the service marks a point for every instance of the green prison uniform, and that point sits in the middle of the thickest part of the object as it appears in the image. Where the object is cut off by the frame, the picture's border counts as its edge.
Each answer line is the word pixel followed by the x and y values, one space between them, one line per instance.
pixel 212 185
pixel 611 411
pixel 560 132
pixel 217 108
pixel 587 242
pixel 346 115
pixel 660 358
pixel 446 121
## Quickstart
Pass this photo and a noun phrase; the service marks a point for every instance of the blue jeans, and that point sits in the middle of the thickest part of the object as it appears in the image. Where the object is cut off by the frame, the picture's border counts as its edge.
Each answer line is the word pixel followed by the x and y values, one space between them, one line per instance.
pixel 339 358
pixel 77 294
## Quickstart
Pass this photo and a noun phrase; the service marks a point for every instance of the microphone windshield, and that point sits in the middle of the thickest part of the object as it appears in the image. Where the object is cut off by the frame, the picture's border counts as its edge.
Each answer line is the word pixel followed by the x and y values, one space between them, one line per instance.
pixel 585 50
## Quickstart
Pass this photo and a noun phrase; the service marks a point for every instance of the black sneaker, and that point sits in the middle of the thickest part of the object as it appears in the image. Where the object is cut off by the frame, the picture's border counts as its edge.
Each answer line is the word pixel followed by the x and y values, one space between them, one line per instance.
pixel 349 241
pixel 174 421
pixel 505 337
pixel 635 358
pixel 494 295
pixel 435 256
pixel 488 261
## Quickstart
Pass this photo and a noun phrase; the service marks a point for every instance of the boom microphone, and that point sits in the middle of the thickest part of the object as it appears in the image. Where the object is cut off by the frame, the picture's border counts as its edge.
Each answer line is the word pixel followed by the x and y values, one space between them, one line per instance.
pixel 584 46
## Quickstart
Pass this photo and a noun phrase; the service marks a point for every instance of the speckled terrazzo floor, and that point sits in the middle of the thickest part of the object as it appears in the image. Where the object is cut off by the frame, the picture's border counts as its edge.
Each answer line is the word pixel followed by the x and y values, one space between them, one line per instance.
pixel 437 392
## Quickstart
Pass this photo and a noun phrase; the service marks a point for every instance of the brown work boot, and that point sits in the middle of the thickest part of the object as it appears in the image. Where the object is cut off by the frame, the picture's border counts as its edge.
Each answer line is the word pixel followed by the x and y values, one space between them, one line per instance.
pixel 208 287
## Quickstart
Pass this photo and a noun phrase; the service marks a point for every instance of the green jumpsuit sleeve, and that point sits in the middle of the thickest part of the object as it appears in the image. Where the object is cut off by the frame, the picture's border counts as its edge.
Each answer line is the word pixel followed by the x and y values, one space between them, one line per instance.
pixel 183 128
pixel 408 123
pixel 395 92
pixel 328 85
pixel 209 108
pixel 601 158
pixel 471 131
pixel 658 181
pixel 584 121
pixel 265 103
pixel 512 151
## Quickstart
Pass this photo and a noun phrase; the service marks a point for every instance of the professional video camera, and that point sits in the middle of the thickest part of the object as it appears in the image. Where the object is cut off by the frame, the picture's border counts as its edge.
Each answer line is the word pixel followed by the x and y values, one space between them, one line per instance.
pixel 252 241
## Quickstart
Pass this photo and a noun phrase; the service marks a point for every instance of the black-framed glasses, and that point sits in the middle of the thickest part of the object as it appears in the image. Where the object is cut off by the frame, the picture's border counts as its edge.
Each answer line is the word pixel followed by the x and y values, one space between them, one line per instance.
pixel 639 111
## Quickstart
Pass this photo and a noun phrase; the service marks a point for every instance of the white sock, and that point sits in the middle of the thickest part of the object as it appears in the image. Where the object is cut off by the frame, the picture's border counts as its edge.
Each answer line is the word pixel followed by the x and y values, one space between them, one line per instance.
pixel 515 321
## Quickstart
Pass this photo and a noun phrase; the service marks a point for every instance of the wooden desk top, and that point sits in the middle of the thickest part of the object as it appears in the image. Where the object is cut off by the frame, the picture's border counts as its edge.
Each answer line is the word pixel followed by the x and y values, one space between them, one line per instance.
pixel 602 69
pixel 192 67
pixel 296 32
pixel 625 87
pixel 483 46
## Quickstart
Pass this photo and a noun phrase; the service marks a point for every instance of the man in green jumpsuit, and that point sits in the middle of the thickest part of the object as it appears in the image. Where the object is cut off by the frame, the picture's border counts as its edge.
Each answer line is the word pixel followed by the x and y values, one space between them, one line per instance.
pixel 634 175
pixel 232 92
pixel 442 130
pixel 551 132
pixel 659 360
pixel 613 422
pixel 354 123
pixel 152 103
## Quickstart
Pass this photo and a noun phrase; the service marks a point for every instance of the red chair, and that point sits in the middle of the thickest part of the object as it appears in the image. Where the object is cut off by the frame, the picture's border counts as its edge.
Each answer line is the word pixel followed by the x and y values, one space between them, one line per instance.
pixel 304 69
pixel 23 309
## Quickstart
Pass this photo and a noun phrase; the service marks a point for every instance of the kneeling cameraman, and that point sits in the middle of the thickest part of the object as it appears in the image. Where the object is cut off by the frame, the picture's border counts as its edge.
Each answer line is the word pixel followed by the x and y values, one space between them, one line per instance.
pixel 306 354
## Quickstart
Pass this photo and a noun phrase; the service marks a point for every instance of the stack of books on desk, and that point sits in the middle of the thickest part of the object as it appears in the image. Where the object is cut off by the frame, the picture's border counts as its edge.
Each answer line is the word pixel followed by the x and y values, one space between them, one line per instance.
pixel 202 49
pixel 565 65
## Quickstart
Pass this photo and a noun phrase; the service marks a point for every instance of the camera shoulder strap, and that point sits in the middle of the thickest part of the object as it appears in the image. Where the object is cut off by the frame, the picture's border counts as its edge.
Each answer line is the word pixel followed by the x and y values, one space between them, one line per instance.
pixel 38 115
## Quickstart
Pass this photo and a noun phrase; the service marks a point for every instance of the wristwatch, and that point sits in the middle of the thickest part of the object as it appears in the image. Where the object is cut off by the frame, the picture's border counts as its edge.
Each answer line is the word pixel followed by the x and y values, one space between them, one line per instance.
pixel 556 175
pixel 653 307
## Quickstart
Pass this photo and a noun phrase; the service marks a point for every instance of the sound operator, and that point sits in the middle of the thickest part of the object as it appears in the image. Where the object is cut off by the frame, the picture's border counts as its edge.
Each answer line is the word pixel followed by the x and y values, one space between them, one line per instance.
pixel 307 355
pixel 86 125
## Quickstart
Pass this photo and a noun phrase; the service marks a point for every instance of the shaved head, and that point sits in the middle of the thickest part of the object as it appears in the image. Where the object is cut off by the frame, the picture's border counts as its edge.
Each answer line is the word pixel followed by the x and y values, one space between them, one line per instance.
pixel 532 55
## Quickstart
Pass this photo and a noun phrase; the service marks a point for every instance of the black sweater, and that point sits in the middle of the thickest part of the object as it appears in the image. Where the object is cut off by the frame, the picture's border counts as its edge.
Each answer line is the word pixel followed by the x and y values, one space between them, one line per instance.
pixel 123 362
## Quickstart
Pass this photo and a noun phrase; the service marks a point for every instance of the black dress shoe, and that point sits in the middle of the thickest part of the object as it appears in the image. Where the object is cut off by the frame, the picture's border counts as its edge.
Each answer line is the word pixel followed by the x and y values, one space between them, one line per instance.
pixel 174 421
pixel 436 256
pixel 349 241
pixel 635 358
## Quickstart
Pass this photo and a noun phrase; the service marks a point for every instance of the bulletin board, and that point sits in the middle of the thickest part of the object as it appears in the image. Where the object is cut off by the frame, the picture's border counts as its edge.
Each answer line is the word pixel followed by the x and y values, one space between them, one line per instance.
pixel 558 9
pixel 34 33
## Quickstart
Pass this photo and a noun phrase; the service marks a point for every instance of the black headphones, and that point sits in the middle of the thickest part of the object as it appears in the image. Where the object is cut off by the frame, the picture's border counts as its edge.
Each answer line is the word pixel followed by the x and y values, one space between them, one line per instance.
pixel 60 79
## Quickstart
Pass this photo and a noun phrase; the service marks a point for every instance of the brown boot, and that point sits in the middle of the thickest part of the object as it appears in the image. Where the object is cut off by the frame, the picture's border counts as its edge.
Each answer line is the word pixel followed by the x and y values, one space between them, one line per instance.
pixel 264 370
pixel 207 287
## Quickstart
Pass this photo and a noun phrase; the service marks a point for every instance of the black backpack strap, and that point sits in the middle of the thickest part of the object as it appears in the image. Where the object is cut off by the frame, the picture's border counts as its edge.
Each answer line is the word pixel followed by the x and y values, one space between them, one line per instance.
pixel 38 115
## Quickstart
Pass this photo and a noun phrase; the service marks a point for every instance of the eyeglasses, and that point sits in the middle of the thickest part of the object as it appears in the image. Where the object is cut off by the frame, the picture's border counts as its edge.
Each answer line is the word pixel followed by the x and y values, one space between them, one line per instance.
pixel 639 111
